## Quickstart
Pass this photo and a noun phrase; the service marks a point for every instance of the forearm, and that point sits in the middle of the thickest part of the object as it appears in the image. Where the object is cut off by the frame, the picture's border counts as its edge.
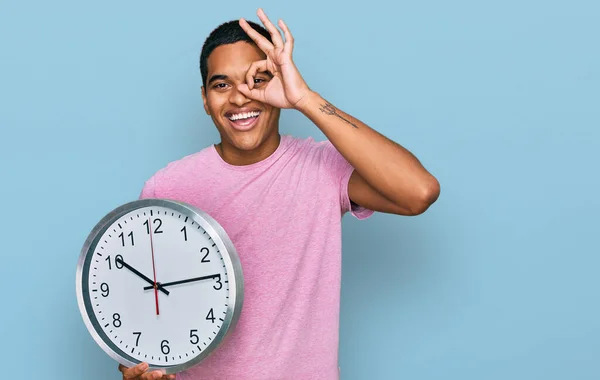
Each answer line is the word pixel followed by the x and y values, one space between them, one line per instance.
pixel 384 164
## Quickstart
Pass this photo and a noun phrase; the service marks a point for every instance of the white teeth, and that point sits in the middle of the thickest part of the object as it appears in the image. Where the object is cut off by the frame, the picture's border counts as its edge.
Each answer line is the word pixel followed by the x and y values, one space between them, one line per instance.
pixel 243 115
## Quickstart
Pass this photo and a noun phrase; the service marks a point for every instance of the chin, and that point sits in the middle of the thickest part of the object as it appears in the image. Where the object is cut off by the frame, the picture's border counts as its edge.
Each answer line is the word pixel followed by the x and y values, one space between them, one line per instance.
pixel 251 139
pixel 247 143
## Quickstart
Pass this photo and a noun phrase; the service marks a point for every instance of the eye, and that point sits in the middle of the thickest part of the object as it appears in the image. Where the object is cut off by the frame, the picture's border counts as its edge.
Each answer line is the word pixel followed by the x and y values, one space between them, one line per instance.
pixel 220 86
pixel 259 81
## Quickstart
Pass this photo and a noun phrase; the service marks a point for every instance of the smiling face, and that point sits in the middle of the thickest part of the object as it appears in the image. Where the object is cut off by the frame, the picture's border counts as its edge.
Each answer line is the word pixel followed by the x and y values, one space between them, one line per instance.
pixel 249 129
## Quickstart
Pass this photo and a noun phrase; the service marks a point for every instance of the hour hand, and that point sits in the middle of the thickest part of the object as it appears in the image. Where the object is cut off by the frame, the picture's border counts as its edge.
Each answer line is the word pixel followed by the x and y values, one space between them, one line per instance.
pixel 135 271
pixel 185 281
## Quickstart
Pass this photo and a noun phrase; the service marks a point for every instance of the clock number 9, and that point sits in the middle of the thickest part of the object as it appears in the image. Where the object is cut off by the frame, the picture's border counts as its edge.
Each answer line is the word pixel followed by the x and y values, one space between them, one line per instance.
pixel 104 289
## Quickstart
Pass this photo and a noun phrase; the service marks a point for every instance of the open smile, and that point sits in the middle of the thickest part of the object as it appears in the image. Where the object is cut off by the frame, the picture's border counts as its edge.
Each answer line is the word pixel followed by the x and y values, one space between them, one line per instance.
pixel 243 121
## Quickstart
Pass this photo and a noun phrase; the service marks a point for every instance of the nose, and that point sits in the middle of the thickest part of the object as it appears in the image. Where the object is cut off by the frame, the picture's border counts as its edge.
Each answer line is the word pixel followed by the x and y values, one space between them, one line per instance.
pixel 237 98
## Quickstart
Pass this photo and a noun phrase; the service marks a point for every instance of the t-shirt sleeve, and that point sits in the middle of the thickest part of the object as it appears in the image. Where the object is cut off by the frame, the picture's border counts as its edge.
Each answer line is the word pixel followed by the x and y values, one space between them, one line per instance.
pixel 340 171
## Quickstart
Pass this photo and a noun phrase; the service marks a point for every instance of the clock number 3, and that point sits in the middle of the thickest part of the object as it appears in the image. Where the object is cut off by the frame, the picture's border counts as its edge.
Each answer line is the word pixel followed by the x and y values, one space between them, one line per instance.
pixel 218 277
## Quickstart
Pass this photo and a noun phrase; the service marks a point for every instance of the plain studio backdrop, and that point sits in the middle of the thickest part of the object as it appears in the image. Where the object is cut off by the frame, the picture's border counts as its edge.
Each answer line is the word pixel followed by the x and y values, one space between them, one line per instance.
pixel 499 100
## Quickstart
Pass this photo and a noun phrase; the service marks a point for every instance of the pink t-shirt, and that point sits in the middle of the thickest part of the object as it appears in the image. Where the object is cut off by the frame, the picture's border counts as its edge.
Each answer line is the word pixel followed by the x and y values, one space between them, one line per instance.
pixel 283 215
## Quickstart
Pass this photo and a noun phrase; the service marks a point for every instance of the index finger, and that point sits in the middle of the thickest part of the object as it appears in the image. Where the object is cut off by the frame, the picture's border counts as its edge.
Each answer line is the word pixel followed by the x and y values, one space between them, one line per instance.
pixel 259 39
pixel 275 34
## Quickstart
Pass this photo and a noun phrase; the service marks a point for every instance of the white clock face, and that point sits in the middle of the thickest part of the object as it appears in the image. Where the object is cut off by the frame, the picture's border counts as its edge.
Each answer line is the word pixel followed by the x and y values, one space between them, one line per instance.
pixel 177 319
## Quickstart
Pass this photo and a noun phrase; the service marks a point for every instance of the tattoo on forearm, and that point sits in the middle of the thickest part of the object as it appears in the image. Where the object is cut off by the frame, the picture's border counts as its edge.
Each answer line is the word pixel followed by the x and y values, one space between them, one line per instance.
pixel 328 109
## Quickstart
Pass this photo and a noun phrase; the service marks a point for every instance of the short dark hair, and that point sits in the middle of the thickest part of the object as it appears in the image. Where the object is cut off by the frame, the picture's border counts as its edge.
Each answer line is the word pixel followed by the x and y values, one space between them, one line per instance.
pixel 227 33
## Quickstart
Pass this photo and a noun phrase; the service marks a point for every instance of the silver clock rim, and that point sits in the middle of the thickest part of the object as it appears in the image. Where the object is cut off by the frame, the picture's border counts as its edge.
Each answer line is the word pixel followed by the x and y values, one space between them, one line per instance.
pixel 230 259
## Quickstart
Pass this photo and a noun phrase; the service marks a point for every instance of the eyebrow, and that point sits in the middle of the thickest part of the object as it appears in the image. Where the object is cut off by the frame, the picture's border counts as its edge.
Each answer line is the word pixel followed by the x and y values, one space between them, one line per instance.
pixel 217 77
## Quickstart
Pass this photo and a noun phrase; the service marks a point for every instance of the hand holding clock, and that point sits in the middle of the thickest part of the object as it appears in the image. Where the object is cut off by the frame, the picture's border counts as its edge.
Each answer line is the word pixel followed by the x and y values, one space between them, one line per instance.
pixel 138 372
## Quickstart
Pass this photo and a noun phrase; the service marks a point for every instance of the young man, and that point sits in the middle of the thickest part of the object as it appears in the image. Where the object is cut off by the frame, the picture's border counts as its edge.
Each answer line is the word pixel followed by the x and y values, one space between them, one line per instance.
pixel 281 200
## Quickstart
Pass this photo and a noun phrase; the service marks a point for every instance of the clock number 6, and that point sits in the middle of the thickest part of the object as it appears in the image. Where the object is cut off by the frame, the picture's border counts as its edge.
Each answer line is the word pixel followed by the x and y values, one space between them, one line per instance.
pixel 164 347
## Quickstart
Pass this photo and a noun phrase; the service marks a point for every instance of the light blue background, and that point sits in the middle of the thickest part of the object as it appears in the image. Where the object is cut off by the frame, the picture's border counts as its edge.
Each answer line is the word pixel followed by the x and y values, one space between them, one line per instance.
pixel 499 100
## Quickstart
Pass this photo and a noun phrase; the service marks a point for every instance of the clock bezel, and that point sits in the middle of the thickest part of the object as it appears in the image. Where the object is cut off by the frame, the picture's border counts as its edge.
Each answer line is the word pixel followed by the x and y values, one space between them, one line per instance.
pixel 225 247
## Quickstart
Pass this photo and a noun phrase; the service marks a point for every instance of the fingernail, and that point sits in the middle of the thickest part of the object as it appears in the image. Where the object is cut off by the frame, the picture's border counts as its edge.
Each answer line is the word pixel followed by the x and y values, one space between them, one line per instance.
pixel 144 366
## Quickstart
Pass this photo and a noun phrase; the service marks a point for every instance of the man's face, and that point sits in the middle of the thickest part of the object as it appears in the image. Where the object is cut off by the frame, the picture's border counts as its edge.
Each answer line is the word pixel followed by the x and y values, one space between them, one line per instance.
pixel 244 124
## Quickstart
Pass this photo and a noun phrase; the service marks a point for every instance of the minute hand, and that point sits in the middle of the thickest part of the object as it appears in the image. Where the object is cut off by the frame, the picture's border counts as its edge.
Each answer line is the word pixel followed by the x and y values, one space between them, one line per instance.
pixel 162 285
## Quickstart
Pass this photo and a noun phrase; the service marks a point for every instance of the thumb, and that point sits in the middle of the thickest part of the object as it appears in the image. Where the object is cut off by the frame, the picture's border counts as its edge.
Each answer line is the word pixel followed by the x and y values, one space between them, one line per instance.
pixel 254 94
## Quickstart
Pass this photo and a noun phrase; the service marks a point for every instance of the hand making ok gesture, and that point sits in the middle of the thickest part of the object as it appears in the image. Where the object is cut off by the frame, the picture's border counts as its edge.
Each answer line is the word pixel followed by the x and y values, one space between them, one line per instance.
pixel 287 88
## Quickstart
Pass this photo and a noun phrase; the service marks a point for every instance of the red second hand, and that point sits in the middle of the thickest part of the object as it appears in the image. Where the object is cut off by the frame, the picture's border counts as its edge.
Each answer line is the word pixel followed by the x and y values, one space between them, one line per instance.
pixel 153 266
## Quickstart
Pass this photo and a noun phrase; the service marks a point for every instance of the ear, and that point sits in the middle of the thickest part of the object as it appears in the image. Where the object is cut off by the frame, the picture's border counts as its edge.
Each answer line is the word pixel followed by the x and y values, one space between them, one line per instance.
pixel 204 100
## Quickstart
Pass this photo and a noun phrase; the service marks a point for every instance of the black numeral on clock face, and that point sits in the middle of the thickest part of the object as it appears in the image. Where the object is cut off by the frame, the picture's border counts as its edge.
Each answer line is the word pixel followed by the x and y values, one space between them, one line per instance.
pixel 104 289
pixel 206 252
pixel 164 347
pixel 194 339
pixel 123 238
pixel 137 340
pixel 118 262
pixel 210 316
pixel 184 230
pixel 157 222
pixel 218 282
pixel 116 320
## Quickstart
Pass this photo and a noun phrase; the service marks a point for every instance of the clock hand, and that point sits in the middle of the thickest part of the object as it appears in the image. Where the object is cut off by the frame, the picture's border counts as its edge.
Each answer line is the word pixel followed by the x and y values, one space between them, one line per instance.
pixel 120 261
pixel 153 266
pixel 161 285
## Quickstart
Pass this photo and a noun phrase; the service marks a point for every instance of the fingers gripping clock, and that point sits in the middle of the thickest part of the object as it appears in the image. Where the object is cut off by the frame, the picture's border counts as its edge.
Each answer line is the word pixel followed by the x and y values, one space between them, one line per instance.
pixel 159 281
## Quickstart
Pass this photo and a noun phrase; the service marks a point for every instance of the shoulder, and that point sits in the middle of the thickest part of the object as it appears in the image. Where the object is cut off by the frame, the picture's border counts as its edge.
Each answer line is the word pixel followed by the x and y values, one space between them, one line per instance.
pixel 183 165
pixel 176 172
pixel 307 147
pixel 321 158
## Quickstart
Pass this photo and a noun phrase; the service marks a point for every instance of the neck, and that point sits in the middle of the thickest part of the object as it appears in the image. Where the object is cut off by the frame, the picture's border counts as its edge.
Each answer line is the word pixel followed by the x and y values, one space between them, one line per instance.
pixel 238 157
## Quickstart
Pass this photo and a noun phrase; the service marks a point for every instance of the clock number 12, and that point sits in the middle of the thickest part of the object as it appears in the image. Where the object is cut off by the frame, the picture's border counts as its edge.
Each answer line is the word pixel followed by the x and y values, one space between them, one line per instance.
pixel 157 230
